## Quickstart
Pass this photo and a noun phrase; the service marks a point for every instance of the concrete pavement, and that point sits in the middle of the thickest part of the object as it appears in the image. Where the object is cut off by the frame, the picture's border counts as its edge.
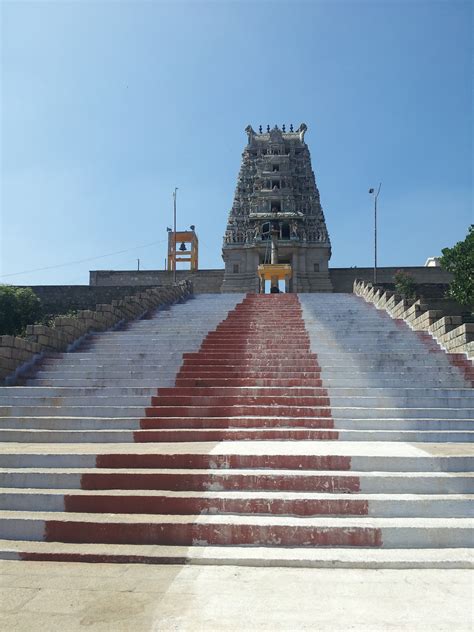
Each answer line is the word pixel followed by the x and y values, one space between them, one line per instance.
pixel 49 597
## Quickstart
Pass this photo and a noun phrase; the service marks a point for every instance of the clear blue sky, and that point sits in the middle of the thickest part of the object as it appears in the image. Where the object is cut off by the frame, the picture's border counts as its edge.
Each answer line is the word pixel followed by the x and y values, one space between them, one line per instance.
pixel 107 106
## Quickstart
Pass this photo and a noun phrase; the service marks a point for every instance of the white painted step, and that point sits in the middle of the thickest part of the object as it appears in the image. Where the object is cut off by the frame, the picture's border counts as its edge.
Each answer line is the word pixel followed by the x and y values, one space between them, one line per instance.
pixel 381 505
pixel 371 482
pixel 447 558
pixel 396 533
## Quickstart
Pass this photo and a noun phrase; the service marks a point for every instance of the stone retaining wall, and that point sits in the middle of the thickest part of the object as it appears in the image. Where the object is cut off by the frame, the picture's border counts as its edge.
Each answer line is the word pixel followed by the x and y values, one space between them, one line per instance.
pixel 204 281
pixel 210 281
pixel 343 279
pixel 16 353
pixel 59 299
pixel 450 330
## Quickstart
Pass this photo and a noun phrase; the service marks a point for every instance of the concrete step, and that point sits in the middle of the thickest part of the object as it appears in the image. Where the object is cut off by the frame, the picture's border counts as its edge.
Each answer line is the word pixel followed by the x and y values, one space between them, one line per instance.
pixel 334 557
pixel 288 433
pixel 238 410
pixel 355 412
pixel 305 456
pixel 288 399
pixel 262 362
pixel 411 401
pixel 311 391
pixel 148 382
pixel 98 423
pixel 48 391
pixel 333 370
pixel 80 400
pixel 237 502
pixel 237 530
pixel 370 482
pixel 340 378
pixel 118 373
pixel 72 411
pixel 275 399
pixel 69 423
pixel 356 381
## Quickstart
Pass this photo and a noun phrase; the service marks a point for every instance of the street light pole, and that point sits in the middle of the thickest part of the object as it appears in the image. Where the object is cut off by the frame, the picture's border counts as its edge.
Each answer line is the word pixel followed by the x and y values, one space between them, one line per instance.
pixel 376 195
pixel 174 234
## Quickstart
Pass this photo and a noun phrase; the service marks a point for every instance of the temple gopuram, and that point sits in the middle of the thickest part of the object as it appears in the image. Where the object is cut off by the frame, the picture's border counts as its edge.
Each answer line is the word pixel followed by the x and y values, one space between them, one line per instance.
pixel 276 231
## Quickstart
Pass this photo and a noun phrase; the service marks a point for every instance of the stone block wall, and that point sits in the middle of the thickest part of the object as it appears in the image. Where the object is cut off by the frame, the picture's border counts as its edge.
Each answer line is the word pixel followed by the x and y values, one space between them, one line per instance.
pixel 204 281
pixel 423 290
pixel 434 317
pixel 343 278
pixel 60 299
pixel 430 281
pixel 15 352
pixel 19 353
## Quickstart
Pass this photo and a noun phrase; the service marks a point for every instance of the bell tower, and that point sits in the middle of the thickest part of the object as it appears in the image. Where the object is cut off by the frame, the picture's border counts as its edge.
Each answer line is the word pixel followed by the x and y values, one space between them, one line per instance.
pixel 276 217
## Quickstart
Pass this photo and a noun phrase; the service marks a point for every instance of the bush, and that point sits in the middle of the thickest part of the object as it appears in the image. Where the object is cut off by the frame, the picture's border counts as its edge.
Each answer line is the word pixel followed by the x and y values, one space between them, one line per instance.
pixel 18 307
pixel 459 260
pixel 49 319
pixel 404 284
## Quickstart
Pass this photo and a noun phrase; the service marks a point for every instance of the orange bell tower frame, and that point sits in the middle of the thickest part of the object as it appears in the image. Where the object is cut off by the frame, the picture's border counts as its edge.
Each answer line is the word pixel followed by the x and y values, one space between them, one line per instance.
pixel 176 253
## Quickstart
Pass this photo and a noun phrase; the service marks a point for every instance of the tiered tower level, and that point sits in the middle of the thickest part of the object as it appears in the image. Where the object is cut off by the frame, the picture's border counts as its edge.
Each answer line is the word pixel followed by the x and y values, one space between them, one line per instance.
pixel 277 196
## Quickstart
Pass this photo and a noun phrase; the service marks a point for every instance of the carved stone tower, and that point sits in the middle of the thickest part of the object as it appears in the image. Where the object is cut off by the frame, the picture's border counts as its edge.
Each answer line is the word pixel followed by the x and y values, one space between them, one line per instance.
pixel 276 217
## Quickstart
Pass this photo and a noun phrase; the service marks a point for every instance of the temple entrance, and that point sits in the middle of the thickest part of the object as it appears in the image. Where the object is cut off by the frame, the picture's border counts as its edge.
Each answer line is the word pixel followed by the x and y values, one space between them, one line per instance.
pixel 281 287
pixel 274 278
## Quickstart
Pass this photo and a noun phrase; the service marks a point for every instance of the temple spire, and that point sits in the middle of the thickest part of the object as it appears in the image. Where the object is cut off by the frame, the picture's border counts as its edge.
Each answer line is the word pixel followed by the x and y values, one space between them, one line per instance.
pixel 276 213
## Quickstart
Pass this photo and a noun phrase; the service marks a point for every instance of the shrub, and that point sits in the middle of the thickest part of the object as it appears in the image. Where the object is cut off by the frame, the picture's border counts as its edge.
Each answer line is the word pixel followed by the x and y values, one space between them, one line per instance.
pixel 404 284
pixel 459 260
pixel 49 319
pixel 18 307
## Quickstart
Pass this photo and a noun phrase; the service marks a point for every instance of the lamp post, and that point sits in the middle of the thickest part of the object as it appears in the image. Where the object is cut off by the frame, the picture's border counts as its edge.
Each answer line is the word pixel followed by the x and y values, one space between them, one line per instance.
pixel 376 195
pixel 174 234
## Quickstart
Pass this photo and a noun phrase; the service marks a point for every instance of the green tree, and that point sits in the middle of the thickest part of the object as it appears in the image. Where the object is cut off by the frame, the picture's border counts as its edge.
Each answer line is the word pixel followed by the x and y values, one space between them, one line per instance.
pixel 459 260
pixel 18 307
pixel 404 284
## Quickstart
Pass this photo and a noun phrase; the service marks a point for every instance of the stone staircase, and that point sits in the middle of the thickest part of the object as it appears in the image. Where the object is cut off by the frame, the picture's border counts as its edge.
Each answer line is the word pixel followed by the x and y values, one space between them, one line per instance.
pixel 265 430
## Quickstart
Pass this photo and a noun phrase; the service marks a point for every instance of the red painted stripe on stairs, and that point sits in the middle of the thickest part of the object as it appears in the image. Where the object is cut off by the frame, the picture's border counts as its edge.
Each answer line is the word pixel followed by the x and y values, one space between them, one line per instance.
pixel 227 411
pixel 225 461
pixel 209 534
pixel 210 481
pixel 101 559
pixel 284 434
pixel 157 423
pixel 195 505
pixel 253 377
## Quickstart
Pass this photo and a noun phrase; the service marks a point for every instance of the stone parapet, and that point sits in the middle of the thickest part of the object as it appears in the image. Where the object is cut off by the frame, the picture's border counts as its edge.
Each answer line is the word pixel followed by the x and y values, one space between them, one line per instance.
pixel 445 324
pixel 204 281
pixel 18 354
pixel 429 281
pixel 454 335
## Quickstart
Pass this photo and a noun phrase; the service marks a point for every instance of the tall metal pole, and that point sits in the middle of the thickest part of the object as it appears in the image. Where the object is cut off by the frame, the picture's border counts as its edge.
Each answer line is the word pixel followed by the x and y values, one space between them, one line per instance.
pixel 375 240
pixel 376 195
pixel 174 234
